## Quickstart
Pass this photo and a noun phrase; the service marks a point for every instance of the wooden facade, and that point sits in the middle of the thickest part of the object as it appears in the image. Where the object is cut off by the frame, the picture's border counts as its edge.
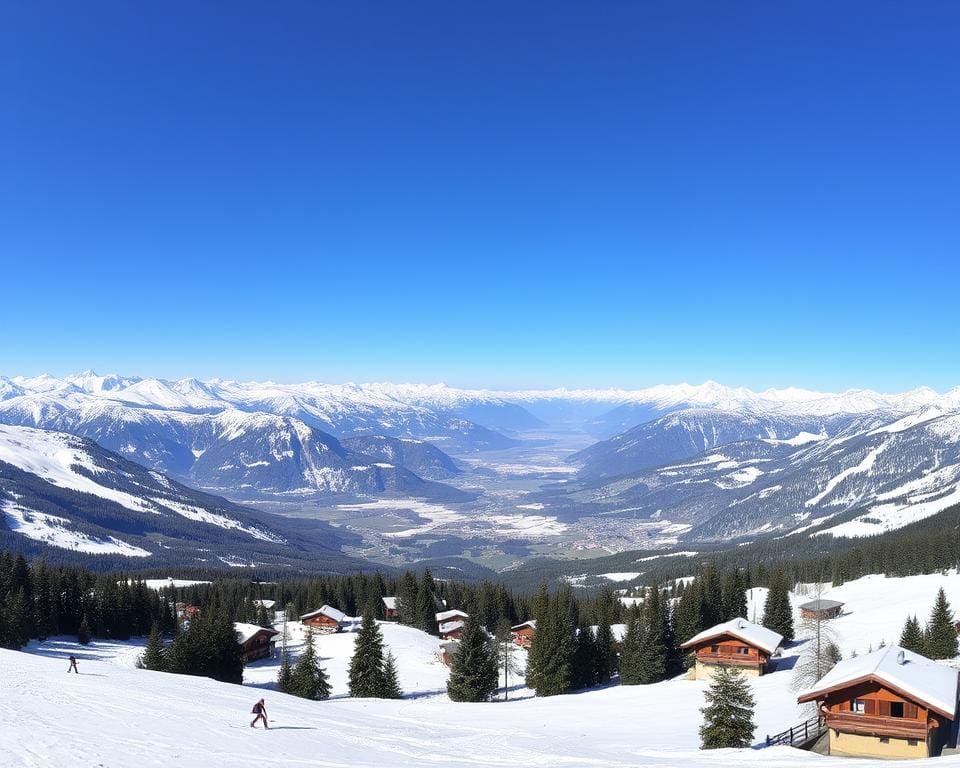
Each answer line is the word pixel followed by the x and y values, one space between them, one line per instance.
pixel 821 609
pixel 730 651
pixel 390 609
pixel 523 634
pixel 259 646
pixel 871 718
pixel 327 620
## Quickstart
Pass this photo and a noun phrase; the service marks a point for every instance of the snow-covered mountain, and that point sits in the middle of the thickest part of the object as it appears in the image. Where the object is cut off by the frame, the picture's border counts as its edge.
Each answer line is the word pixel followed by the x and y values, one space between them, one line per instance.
pixel 67 493
pixel 868 476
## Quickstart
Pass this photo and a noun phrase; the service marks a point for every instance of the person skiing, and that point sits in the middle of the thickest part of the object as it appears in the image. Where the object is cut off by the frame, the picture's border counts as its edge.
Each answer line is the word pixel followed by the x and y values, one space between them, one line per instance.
pixel 260 710
pixel 73 665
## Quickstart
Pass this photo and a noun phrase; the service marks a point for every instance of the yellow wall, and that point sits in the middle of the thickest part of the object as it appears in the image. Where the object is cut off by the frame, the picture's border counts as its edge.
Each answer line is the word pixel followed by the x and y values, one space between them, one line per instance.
pixel 705 671
pixel 855 745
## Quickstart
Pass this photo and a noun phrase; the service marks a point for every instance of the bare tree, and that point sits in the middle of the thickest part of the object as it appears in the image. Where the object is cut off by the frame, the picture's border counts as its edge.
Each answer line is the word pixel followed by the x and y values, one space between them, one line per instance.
pixel 820 652
pixel 506 654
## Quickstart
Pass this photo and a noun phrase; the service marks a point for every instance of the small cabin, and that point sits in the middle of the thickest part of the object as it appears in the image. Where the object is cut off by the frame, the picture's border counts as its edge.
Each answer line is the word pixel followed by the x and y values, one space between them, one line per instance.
pixel 326 620
pixel 821 610
pixel 891 703
pixel 736 643
pixel 447 650
pixel 450 624
pixel 255 642
pixel 390 609
pixel 523 633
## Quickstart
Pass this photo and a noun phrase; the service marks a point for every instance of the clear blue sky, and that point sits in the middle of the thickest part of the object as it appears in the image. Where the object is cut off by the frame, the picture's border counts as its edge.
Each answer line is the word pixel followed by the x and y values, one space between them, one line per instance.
pixel 494 194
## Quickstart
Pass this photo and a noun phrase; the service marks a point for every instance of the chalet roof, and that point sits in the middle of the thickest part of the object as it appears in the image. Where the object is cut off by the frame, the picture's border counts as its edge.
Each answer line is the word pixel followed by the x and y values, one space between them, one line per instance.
pixel 446 615
pixel 329 611
pixel 821 605
pixel 450 626
pixel 390 602
pixel 532 624
pixel 265 603
pixel 247 631
pixel 913 675
pixel 752 634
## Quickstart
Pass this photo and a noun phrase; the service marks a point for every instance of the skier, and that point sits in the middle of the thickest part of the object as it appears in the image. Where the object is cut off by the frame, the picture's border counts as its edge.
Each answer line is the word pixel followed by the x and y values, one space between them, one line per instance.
pixel 73 665
pixel 260 710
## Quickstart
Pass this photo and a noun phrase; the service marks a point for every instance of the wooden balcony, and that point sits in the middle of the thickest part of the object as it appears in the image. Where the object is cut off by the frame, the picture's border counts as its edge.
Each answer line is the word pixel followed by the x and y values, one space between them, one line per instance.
pixel 874 725
pixel 733 659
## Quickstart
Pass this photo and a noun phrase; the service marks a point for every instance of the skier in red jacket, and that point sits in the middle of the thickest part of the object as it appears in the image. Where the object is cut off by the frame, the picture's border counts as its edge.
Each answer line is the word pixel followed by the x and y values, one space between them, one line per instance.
pixel 260 710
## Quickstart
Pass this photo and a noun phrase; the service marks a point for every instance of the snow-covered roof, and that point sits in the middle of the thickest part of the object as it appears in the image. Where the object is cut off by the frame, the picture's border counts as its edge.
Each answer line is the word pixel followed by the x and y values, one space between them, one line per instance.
pixel 913 675
pixel 753 634
pixel 390 602
pixel 246 631
pixel 444 615
pixel 329 611
pixel 265 603
pixel 532 624
pixel 820 605
pixel 450 626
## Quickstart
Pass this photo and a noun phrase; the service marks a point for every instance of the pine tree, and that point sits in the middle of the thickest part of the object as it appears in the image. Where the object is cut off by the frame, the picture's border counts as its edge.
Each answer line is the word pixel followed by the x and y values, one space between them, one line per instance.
pixel 284 677
pixel 651 666
pixel 940 641
pixel 583 669
pixel 153 653
pixel 604 656
pixel 474 672
pixel 777 611
pixel 688 617
pixel 631 667
pixel 711 595
pixel 83 631
pixel 728 716
pixel 308 680
pixel 734 596
pixel 912 636
pixel 426 605
pixel 543 639
pixel 391 683
pixel 366 674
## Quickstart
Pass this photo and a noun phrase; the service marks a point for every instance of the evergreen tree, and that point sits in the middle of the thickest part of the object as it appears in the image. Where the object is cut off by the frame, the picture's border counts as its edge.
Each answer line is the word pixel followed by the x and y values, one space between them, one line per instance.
pixel 474 671
pixel 728 716
pixel 940 641
pixel 426 604
pixel 734 596
pixel 912 636
pixel 631 660
pixel 583 668
pixel 152 657
pixel 83 631
pixel 391 683
pixel 541 648
pixel 711 596
pixel 651 666
pixel 688 616
pixel 285 675
pixel 366 674
pixel 604 656
pixel 308 680
pixel 777 611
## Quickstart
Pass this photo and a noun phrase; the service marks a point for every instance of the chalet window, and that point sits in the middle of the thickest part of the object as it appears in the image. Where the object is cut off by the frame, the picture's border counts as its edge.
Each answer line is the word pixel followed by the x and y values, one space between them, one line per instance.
pixel 714 649
pixel 859 706
pixel 884 740
pixel 743 651
pixel 912 742
pixel 896 709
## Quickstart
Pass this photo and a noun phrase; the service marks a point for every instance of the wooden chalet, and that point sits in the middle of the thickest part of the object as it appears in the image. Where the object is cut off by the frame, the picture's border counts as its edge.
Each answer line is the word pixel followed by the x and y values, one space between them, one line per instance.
pixel 326 620
pixel 390 609
pixel 821 609
pixel 891 703
pixel 255 642
pixel 451 623
pixel 738 643
pixel 447 650
pixel 523 633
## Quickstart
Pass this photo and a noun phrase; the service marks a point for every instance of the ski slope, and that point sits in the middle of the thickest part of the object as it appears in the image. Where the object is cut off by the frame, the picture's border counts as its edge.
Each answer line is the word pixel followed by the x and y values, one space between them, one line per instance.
pixel 117 716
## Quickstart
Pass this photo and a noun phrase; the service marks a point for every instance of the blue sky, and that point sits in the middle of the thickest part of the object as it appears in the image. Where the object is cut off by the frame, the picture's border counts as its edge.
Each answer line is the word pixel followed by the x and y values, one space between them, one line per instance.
pixel 516 194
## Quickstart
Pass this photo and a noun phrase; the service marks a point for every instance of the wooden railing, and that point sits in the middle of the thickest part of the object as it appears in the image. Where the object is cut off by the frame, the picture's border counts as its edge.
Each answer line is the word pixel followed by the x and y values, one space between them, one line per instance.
pixel 730 658
pixel 877 725
pixel 799 735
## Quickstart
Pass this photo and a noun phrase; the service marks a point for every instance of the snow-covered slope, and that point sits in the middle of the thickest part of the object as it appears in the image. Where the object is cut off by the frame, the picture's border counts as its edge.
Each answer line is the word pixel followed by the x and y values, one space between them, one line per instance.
pixel 66 492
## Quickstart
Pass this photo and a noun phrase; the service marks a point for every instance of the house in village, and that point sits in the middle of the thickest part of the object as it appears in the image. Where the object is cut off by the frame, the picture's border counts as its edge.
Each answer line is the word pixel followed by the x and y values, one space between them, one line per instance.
pixel 326 620
pixel 738 643
pixel 255 642
pixel 390 609
pixel 891 703
pixel 450 624
pixel 447 649
pixel 523 633
pixel 821 609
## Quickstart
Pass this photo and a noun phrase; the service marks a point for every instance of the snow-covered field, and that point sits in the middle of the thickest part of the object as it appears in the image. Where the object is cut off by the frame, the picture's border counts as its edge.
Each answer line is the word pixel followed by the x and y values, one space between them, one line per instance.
pixel 114 715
